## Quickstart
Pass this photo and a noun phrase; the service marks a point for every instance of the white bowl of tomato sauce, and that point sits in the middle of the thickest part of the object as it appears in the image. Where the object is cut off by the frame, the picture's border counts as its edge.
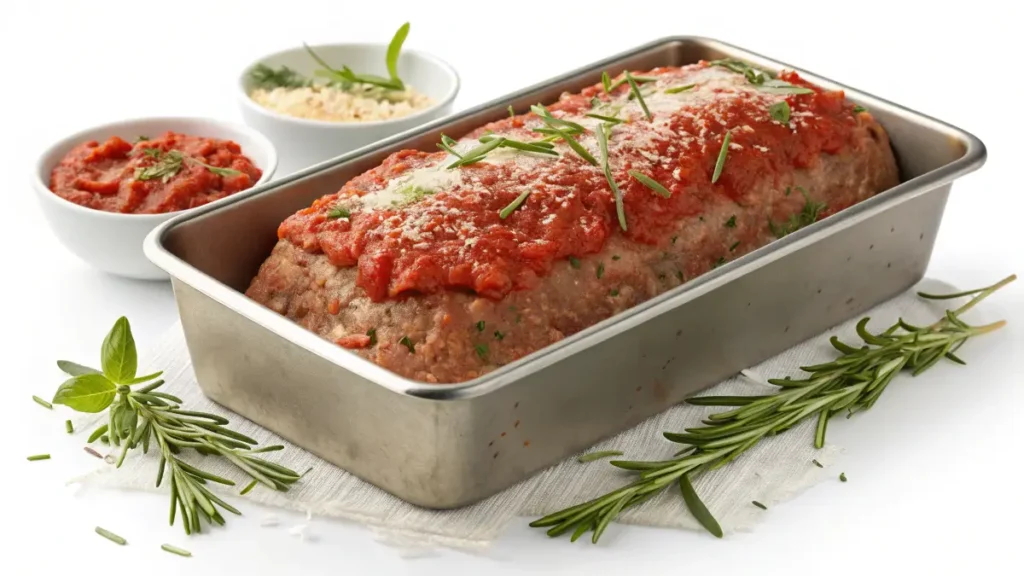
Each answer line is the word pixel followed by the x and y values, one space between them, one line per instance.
pixel 104 189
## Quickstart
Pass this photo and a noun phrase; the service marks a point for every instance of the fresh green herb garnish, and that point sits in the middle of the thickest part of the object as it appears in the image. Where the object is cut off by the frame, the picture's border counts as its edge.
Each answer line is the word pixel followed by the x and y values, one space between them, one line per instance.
pixel 598 455
pixel 842 476
pixel 175 550
pixel 574 262
pixel 759 505
pixel 696 506
pixel 788 190
pixel 762 79
pixel 638 79
pixel 482 351
pixel 600 270
pixel 498 335
pixel 448 145
pixel 95 433
pixel 782 87
pixel 609 119
pixel 42 402
pixel 140 138
pixel 338 212
pixel 734 246
pixel 265 77
pixel 404 341
pixel 636 92
pixel 564 129
pixel 536 147
pixel 595 102
pixel 818 464
pixel 372 333
pixel 603 132
pixel 853 382
pixel 719 262
pixel 731 222
pixel 780 112
pixel 807 216
pixel 111 536
pixel 166 166
pixel 613 292
pixel 858 109
pixel 508 210
pixel 248 488
pixel 511 112
pixel 722 153
pixel 37 457
pixel 616 257
pixel 651 183
pixel 139 416
pixel 480 326
pixel 678 89
pixel 559 124
pixel 69 427
pixel 478 153
pixel 169 163
pixel 606 82
pixel 346 76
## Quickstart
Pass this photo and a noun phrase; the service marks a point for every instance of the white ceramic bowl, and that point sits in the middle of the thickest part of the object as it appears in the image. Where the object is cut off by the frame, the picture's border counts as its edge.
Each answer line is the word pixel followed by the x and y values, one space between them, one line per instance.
pixel 111 241
pixel 302 143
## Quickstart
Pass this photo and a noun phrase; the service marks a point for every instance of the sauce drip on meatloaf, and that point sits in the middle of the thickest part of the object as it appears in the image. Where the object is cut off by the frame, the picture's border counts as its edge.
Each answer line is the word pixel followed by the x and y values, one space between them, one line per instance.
pixel 434 272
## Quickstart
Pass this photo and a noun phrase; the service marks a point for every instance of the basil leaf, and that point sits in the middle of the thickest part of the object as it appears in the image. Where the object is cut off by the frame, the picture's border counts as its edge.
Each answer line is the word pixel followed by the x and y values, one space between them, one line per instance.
pixel 86 393
pixel 780 112
pixel 72 369
pixel 394 48
pixel 118 355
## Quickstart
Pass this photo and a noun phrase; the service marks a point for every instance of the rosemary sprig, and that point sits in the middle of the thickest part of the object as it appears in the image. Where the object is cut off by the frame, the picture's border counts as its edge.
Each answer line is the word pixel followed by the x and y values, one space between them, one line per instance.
pixel 851 383
pixel 140 416
pixel 603 133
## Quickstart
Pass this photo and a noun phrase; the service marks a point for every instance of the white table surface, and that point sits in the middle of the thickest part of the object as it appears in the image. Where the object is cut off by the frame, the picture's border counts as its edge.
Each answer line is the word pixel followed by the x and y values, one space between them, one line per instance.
pixel 934 470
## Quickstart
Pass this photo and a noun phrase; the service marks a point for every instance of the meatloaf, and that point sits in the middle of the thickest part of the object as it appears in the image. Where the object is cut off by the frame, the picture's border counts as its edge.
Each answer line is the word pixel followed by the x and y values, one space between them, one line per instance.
pixel 441 266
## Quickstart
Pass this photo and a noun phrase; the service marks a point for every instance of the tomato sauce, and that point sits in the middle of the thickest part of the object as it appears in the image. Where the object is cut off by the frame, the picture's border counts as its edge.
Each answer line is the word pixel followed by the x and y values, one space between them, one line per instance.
pixel 150 176
pixel 455 238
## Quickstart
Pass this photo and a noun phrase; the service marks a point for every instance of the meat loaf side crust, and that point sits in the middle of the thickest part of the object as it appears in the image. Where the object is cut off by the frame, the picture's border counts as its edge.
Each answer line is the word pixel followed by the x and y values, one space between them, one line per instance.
pixel 452 335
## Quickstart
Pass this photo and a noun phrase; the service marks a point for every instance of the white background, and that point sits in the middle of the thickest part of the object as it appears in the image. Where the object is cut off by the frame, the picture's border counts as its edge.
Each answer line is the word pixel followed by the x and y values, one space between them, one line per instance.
pixel 935 469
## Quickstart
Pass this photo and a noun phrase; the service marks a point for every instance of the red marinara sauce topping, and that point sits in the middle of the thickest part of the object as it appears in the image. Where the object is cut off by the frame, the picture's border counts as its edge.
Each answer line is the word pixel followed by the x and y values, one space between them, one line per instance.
pixel 166 174
pixel 440 228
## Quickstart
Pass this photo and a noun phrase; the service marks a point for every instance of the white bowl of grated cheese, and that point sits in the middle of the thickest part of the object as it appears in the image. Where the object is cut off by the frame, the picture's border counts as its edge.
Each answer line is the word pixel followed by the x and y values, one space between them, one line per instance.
pixel 311 124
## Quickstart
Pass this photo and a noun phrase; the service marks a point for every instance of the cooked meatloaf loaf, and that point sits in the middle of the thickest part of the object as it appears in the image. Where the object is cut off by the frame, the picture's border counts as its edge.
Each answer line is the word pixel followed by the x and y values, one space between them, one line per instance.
pixel 442 266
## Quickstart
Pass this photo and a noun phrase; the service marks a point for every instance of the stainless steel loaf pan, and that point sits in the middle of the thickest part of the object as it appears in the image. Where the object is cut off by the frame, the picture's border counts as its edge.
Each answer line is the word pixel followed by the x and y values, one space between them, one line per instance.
pixel 444 446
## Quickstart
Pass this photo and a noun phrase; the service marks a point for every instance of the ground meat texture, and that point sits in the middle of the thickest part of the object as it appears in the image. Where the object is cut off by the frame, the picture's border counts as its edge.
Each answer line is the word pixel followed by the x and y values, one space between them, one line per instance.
pixel 411 266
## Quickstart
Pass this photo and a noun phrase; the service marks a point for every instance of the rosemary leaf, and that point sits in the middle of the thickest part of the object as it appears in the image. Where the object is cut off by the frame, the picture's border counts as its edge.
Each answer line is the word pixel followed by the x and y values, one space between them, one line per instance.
pixel 512 206
pixel 697 508
pixel 651 183
pixel 722 153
